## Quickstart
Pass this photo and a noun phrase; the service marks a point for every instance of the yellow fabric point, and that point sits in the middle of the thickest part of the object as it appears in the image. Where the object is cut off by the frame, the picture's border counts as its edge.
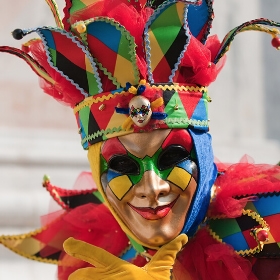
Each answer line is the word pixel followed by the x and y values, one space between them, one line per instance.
pixel 26 245
pixel 132 90
pixel 108 266
pixel 28 43
pixel 142 83
pixel 157 103
pixel 265 29
pixel 180 87
pixel 127 124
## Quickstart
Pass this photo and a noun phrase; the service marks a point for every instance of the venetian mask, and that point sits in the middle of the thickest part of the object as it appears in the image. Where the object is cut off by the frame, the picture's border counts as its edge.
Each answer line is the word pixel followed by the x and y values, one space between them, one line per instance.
pixel 140 110
pixel 149 180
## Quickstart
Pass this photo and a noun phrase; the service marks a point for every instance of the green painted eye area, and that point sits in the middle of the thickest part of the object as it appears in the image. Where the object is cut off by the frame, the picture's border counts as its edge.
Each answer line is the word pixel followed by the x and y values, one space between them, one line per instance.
pixel 162 163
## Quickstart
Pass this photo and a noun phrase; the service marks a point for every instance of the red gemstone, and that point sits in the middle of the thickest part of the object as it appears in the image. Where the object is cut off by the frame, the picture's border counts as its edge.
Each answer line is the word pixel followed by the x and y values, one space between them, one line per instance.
pixel 275 42
pixel 262 235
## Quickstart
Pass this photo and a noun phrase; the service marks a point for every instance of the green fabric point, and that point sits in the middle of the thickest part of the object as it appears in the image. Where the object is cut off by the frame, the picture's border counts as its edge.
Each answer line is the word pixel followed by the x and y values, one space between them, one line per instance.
pixel 224 227
pixel 53 55
pixel 124 48
pixel 180 113
pixel 98 195
pixel 129 51
pixel 103 165
pixel 139 248
pixel 84 117
pixel 92 84
pixel 77 6
pixel 206 98
pixel 158 27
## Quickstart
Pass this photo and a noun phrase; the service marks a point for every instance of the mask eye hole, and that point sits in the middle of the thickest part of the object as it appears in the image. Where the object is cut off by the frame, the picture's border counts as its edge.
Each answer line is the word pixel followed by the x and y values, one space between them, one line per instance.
pixel 171 156
pixel 123 164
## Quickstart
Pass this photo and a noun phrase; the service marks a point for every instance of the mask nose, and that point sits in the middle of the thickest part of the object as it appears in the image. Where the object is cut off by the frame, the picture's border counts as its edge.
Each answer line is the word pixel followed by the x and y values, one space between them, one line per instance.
pixel 151 187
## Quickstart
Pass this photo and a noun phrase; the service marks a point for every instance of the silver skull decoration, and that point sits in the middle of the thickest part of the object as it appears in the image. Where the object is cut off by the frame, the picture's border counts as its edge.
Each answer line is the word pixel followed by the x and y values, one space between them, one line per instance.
pixel 140 110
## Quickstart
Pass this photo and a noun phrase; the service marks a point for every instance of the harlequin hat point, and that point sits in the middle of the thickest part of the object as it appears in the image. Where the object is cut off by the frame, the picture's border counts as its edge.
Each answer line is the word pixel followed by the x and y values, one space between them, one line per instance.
pixel 131 66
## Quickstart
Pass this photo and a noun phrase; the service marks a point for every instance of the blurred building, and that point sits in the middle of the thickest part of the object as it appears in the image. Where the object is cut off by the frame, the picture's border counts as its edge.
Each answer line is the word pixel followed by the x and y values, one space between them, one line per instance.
pixel 246 96
pixel 39 136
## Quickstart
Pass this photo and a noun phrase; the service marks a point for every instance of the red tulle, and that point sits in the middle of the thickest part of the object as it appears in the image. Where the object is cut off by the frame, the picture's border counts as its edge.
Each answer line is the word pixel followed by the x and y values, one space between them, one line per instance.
pixel 84 182
pixel 266 268
pixel 92 223
pixel 197 65
pixel 242 179
pixel 206 259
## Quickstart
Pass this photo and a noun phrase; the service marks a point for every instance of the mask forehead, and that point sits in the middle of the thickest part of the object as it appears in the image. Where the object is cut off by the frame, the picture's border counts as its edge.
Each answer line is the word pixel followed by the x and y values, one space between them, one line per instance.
pixel 178 137
pixel 144 144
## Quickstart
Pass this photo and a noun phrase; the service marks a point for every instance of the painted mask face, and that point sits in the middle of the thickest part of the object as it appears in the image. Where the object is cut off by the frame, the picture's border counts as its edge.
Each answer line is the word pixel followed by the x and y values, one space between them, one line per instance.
pixel 140 110
pixel 150 179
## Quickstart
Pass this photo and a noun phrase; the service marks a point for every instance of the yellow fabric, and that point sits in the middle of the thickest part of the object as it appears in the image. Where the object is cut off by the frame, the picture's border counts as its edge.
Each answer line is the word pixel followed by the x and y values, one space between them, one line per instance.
pixel 109 267
pixel 157 103
pixel 127 124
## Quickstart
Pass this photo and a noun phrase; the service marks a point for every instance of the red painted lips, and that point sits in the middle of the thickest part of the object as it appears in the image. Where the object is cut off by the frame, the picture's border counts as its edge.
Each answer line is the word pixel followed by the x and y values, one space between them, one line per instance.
pixel 149 213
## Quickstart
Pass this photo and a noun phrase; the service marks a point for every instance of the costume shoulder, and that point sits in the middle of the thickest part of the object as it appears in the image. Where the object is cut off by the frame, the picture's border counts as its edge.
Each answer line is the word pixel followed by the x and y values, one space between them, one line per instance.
pixel 246 209
pixel 245 214
pixel 240 237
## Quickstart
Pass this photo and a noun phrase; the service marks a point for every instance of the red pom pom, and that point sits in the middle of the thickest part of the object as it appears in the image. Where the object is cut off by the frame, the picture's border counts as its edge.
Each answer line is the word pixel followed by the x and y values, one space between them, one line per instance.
pixel 275 42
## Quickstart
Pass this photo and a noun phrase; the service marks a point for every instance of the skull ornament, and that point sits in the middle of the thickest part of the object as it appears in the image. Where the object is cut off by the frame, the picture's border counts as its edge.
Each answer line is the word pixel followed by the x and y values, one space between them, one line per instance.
pixel 140 110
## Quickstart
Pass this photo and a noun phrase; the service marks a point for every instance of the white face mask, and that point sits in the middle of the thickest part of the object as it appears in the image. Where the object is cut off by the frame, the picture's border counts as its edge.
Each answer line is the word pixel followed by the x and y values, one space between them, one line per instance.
pixel 140 110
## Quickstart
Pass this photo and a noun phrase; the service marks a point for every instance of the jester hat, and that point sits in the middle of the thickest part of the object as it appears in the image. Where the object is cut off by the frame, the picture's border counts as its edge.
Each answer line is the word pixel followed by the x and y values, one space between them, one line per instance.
pixel 105 53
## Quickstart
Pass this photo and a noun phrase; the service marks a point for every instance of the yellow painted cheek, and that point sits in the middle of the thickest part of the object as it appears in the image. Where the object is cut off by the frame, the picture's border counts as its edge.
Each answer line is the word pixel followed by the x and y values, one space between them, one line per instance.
pixel 180 177
pixel 120 186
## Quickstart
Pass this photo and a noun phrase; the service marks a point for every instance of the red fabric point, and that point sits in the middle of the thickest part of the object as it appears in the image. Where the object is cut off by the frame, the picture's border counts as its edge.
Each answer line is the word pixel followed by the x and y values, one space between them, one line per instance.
pixel 63 91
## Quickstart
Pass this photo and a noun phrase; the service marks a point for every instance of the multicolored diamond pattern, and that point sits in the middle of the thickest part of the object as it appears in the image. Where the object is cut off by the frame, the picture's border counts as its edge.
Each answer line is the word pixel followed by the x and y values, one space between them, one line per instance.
pixel 236 232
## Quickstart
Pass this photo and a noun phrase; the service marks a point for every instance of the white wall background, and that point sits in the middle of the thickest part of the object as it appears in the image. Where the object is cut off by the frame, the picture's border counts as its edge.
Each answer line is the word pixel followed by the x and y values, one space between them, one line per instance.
pixel 246 97
pixel 39 136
